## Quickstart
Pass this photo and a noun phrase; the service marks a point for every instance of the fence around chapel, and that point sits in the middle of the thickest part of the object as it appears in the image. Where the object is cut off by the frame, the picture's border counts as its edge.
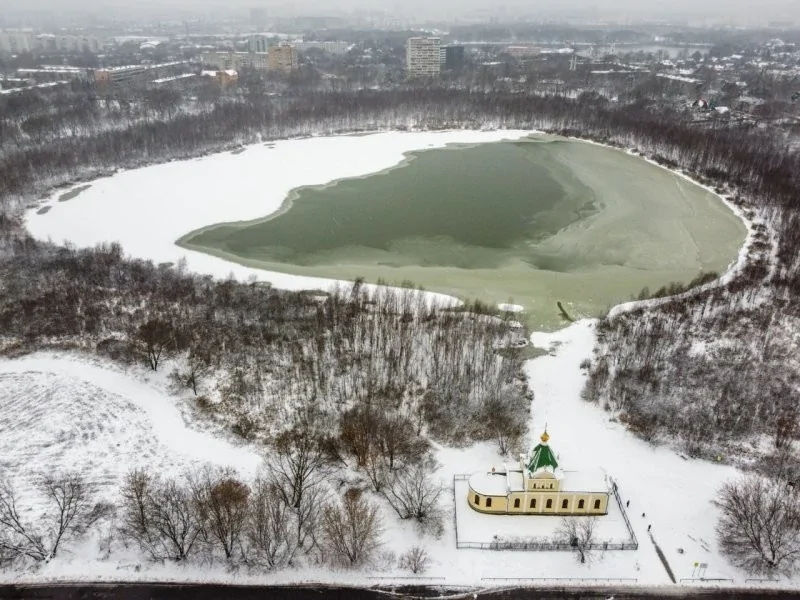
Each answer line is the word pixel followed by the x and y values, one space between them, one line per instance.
pixel 631 544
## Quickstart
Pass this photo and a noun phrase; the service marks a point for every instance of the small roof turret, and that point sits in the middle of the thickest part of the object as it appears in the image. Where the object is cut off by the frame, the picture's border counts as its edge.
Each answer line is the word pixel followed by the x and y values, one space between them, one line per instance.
pixel 542 456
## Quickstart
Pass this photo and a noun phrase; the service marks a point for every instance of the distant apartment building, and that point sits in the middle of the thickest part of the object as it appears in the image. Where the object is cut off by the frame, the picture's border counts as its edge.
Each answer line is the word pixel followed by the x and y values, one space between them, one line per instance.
pixel 56 73
pixel 423 57
pixel 523 50
pixel 235 61
pixel 282 58
pixel 48 42
pixel 16 41
pixel 335 48
pixel 259 43
pixel 132 73
pixel 452 57
pixel 118 75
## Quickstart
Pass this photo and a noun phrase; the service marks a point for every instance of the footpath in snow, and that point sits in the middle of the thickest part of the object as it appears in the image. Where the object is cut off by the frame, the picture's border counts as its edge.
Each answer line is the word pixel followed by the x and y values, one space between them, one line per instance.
pixel 672 492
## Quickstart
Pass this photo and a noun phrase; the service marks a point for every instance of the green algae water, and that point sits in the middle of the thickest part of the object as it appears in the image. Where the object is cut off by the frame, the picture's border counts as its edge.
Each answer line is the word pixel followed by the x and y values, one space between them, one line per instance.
pixel 533 222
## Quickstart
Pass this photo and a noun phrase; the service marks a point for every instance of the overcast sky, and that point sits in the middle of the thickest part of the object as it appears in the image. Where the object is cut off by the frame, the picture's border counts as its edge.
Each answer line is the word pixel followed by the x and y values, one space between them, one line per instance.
pixel 789 9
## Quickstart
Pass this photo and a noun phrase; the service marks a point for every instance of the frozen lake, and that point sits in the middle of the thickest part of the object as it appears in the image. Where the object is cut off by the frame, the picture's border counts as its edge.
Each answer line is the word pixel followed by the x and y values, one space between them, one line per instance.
pixel 533 221
pixel 496 215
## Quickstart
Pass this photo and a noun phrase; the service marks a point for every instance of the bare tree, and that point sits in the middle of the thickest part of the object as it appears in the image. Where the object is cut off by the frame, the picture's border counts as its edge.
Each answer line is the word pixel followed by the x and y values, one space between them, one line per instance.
pixel 578 532
pixel 351 530
pixel 759 528
pixel 222 504
pixel 299 464
pixel 397 440
pixel 69 513
pixel 136 521
pixel 175 519
pixel 503 418
pixel 414 494
pixel 271 528
pixel 415 559
pixel 18 538
pixel 376 469
pixel 358 431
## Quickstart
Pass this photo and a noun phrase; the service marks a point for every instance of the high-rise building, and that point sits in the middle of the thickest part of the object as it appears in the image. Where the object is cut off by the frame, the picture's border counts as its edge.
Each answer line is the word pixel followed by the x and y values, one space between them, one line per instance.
pixel 423 57
pixel 259 43
pixel 16 41
pixel 282 58
pixel 453 57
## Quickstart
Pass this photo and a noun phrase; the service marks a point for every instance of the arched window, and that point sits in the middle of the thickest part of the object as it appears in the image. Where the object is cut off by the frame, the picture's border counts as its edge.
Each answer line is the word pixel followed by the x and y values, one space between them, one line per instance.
pixel 564 504
pixel 533 503
pixel 597 504
pixel 516 502
pixel 580 503
pixel 477 500
pixel 549 503
pixel 488 503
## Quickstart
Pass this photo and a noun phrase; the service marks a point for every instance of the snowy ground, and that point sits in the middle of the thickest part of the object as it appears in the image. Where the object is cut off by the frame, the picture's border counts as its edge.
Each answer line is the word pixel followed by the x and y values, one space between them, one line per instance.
pixel 673 493
pixel 73 411
pixel 64 412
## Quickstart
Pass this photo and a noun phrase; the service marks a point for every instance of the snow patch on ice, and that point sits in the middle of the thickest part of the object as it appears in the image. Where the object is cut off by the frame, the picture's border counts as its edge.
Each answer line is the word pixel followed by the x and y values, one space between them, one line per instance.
pixel 514 308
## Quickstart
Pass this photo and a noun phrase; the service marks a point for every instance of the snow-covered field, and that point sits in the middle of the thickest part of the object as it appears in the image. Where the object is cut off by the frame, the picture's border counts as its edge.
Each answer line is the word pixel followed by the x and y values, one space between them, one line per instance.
pixel 68 411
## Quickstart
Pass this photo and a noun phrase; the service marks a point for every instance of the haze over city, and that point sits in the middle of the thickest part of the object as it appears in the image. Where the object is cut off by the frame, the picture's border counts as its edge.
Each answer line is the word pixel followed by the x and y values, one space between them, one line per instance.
pixel 738 12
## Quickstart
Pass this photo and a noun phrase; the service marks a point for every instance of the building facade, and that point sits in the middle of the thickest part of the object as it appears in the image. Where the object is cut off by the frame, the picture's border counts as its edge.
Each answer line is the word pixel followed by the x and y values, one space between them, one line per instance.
pixel 15 42
pixel 259 42
pixel 331 47
pixel 537 486
pixel 452 57
pixel 423 57
pixel 235 61
pixel 282 58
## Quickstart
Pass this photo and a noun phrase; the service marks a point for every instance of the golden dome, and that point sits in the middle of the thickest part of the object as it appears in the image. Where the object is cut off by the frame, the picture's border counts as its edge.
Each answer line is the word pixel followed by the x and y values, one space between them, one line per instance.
pixel 545 437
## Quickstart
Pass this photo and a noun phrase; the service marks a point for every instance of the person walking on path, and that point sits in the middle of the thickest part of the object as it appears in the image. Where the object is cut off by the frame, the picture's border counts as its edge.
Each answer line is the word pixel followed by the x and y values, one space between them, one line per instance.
pixel 628 504
pixel 648 528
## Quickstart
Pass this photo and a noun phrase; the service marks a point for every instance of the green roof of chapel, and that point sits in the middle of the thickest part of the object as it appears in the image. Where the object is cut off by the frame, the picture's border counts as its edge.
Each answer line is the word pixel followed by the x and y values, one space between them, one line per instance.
pixel 542 457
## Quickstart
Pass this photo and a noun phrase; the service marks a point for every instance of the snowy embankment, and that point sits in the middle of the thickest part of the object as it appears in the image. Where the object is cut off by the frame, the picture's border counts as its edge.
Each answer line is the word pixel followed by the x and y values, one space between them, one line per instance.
pixel 733 269
pixel 129 207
